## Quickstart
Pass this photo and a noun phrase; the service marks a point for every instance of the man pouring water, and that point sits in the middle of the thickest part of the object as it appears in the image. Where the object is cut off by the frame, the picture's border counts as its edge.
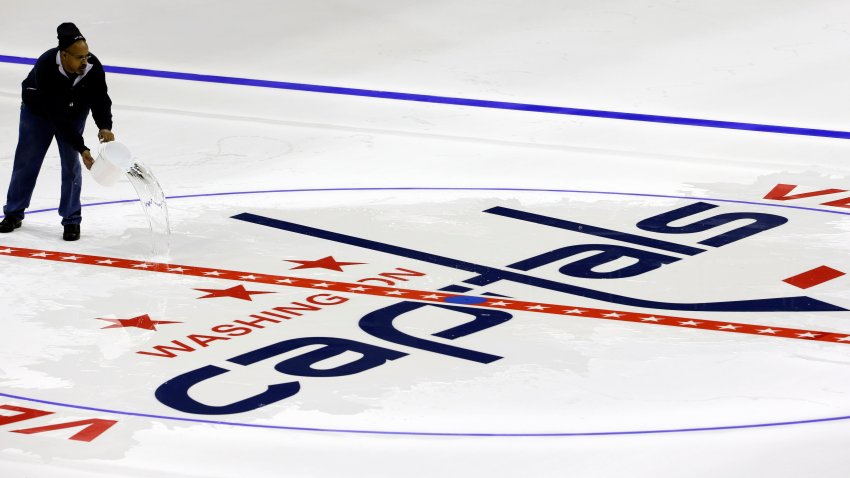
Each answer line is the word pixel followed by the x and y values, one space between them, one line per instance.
pixel 64 85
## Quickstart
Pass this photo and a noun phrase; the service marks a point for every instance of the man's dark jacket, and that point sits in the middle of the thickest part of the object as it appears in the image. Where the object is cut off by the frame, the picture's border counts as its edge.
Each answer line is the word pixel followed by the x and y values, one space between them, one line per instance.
pixel 52 95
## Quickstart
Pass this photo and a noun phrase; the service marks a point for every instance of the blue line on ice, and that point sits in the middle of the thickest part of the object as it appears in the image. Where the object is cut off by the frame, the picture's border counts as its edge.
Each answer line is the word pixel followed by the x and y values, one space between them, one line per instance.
pixel 448 100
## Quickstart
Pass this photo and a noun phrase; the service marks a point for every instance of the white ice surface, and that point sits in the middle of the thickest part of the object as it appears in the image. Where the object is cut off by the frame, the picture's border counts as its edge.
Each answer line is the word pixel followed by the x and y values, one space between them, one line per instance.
pixel 775 62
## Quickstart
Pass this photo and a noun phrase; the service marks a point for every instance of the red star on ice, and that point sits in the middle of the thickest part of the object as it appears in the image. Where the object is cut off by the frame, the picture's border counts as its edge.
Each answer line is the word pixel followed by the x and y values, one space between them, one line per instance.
pixel 328 263
pixel 141 322
pixel 237 292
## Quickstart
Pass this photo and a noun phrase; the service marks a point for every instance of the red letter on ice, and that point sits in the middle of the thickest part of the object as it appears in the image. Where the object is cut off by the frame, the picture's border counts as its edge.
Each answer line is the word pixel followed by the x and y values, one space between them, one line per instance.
pixel 94 428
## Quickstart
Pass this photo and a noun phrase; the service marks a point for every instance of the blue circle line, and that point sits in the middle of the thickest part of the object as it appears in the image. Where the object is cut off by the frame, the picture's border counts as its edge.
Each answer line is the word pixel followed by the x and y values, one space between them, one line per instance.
pixel 448 100
pixel 415 433
pixel 417 188
pixel 445 434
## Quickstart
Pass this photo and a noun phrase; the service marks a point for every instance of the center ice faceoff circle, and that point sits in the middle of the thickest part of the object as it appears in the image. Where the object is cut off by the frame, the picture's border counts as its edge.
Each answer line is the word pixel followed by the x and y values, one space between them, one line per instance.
pixel 549 312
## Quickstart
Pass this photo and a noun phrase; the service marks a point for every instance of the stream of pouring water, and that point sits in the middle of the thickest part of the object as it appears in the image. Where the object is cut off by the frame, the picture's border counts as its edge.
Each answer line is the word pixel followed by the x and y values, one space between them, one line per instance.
pixel 152 200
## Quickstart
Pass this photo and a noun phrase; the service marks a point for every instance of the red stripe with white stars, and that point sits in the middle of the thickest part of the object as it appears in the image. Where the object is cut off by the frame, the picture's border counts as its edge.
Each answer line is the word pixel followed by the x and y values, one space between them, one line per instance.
pixel 429 296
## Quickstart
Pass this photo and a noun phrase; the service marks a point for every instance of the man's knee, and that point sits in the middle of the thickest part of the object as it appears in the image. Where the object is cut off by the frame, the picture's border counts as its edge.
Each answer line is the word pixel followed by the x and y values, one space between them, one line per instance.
pixel 71 170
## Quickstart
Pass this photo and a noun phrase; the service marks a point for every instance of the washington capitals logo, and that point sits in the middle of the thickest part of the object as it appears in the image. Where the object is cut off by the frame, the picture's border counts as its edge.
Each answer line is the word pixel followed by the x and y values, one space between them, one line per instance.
pixel 590 261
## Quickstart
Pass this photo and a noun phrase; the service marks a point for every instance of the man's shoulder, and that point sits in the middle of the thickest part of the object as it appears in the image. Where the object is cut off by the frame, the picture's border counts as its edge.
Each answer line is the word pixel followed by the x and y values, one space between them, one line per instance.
pixel 46 61
pixel 48 56
pixel 95 61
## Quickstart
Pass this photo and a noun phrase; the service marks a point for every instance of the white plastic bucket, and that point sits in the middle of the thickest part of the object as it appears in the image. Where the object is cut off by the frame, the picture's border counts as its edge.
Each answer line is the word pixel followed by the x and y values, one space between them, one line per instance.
pixel 113 160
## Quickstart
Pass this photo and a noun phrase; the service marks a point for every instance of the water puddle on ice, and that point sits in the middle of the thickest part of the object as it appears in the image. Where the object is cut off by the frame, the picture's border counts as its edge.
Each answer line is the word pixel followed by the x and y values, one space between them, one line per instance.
pixel 153 204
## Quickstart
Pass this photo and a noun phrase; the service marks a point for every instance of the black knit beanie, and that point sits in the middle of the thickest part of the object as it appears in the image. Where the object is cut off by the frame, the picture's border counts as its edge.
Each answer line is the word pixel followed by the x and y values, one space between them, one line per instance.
pixel 68 33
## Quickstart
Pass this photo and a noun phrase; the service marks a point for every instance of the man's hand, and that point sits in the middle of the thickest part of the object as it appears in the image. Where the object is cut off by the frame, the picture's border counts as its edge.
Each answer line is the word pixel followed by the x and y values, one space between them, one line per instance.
pixel 105 136
pixel 87 159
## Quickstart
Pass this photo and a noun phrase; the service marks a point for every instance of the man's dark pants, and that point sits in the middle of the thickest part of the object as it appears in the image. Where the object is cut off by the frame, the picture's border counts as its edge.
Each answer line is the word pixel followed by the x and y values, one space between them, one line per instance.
pixel 35 134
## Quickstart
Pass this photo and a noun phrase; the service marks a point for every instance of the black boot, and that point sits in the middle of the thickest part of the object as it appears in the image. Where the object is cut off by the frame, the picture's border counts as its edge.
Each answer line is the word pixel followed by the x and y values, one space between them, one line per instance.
pixel 9 225
pixel 72 232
